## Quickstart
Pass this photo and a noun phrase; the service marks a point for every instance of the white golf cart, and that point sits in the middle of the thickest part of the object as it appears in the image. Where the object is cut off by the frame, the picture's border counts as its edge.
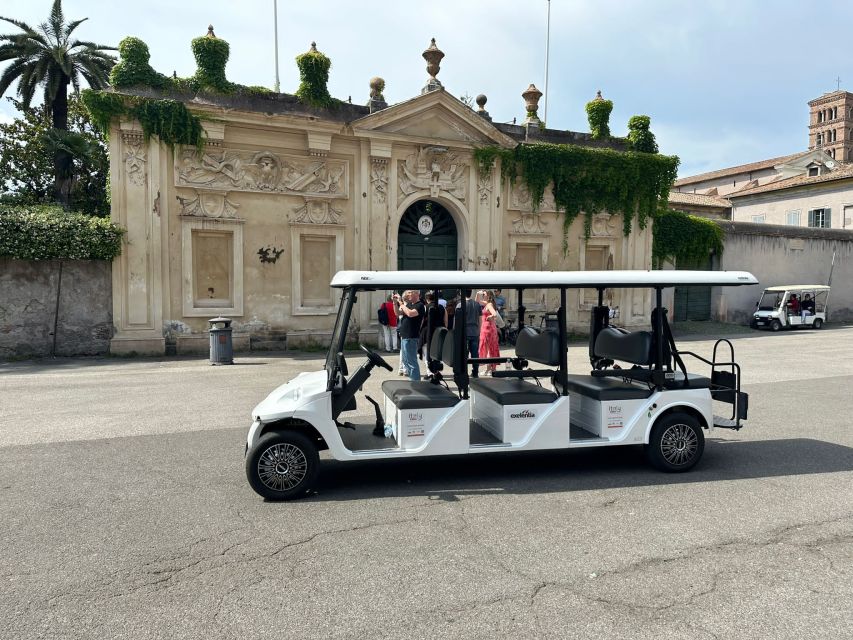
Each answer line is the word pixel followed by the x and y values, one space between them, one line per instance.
pixel 777 310
pixel 636 390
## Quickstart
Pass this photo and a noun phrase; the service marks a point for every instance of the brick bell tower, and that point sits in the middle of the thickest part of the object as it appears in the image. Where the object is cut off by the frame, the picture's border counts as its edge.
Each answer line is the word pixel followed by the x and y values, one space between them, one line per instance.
pixel 831 124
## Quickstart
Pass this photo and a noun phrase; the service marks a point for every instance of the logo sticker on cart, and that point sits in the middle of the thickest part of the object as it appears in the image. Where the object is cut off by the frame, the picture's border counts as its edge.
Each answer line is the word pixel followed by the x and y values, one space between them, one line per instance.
pixel 614 416
pixel 527 413
pixel 415 418
pixel 415 432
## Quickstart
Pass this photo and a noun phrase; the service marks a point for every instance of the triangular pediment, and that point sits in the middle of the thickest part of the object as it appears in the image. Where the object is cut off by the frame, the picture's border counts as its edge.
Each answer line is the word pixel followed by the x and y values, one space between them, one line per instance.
pixel 433 117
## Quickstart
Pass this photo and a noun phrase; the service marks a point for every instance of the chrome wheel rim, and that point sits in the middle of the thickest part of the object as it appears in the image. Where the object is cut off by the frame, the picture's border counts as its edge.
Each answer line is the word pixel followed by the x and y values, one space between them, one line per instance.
pixel 282 467
pixel 679 444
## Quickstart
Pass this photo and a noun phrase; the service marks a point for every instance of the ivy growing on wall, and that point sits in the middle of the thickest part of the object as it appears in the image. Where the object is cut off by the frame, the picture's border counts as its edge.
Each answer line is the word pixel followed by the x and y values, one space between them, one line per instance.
pixel 313 78
pixel 588 180
pixel 51 233
pixel 211 55
pixel 640 138
pixel 681 237
pixel 169 120
pixel 598 115
pixel 133 69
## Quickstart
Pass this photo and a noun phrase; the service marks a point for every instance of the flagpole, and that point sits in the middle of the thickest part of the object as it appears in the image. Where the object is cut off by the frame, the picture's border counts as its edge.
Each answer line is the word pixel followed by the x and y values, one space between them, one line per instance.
pixel 275 20
pixel 547 51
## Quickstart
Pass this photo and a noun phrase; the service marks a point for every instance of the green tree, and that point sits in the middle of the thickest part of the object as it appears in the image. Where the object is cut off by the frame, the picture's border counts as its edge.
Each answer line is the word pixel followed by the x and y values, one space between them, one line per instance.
pixel 48 57
pixel 27 145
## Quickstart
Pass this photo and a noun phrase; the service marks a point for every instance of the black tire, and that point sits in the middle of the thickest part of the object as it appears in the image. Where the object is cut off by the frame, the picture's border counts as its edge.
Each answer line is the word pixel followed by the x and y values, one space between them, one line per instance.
pixel 283 465
pixel 775 326
pixel 818 323
pixel 676 443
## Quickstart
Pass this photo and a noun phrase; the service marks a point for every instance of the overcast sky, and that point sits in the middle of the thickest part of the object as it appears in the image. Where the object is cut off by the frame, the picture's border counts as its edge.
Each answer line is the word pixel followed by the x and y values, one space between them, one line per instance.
pixel 725 81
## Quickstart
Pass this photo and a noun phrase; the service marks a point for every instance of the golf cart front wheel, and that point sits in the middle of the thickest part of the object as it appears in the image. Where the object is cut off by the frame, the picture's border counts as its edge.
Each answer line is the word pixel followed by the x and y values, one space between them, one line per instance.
pixel 818 323
pixel 676 443
pixel 775 326
pixel 283 465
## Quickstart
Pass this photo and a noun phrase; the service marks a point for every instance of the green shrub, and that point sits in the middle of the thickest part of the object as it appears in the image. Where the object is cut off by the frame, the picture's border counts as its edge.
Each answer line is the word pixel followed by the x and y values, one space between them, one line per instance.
pixel 639 136
pixel 314 76
pixel 51 233
pixel 598 115
pixel 133 70
pixel 211 55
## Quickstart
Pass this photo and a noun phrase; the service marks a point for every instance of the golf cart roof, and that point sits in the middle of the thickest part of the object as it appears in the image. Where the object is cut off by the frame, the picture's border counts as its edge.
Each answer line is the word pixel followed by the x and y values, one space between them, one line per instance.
pixel 373 280
pixel 797 287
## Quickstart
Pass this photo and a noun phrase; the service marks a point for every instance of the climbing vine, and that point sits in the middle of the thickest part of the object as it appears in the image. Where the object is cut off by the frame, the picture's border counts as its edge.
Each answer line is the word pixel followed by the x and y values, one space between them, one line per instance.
pixel 598 115
pixel 680 237
pixel 211 55
pixel 640 138
pixel 313 78
pixel 587 179
pixel 169 120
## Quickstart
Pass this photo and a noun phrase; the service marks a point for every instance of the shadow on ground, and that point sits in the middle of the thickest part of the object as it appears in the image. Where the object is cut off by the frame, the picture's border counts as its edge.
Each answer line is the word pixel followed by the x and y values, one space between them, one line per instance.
pixel 448 478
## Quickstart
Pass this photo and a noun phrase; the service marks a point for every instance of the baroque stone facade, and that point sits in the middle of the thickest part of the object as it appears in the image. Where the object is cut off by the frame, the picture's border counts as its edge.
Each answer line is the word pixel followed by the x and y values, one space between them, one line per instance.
pixel 254 225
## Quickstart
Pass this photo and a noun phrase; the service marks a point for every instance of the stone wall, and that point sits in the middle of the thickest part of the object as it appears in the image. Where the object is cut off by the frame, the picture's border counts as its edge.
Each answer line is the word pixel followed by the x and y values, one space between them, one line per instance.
pixel 782 255
pixel 28 297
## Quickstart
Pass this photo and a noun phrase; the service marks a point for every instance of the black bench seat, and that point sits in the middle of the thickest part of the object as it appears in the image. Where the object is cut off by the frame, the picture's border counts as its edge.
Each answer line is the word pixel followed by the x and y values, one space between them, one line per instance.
pixel 606 388
pixel 507 391
pixel 407 394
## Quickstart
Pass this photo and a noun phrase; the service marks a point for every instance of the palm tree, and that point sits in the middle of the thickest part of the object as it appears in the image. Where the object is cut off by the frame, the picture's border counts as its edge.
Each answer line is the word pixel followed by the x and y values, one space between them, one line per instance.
pixel 48 57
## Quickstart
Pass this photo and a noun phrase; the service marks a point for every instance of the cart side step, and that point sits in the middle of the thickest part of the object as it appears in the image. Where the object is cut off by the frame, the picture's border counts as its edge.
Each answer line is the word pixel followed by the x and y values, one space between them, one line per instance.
pixel 725 423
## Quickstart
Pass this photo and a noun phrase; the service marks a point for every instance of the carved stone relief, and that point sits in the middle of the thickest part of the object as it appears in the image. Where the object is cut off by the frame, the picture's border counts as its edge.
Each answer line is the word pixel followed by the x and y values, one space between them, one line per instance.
pixel 211 204
pixel 261 171
pixel 134 161
pixel 379 180
pixel 528 223
pixel 433 169
pixel 315 212
pixel 484 186
pixel 521 200
pixel 603 224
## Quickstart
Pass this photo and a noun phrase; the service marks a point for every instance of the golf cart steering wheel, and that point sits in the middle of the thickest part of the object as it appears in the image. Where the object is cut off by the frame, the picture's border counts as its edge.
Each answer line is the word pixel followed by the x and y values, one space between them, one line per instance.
pixel 375 358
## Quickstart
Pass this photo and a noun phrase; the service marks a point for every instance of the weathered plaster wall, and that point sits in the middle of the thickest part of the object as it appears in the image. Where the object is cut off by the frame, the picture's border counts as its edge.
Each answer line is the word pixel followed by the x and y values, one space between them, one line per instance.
pixel 780 255
pixel 28 307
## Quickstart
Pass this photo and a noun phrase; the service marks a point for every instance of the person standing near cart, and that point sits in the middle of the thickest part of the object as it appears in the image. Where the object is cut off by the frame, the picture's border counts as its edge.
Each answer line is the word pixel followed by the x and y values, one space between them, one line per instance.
pixel 412 313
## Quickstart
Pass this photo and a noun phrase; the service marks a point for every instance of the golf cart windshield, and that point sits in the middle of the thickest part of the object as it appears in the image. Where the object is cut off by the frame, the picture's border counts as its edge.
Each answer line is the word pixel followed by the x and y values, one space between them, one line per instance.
pixel 770 300
pixel 339 333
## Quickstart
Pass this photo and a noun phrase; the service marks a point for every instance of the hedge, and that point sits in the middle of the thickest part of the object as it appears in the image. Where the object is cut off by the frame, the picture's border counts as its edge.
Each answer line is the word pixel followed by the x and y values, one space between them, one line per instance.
pixel 47 232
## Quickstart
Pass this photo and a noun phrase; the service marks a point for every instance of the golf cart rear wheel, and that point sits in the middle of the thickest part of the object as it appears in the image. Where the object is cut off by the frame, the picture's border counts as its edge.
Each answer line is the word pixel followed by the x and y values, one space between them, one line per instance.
pixel 818 323
pixel 676 443
pixel 283 465
pixel 775 325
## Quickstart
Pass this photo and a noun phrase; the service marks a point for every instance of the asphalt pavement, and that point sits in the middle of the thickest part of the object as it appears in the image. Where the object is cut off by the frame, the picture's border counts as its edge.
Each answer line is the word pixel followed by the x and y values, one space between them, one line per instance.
pixel 125 513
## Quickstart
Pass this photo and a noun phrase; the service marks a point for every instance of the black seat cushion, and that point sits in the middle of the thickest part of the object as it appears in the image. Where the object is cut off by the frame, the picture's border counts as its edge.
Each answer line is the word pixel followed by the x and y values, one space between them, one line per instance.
pixel 694 381
pixel 606 388
pixel 506 391
pixel 410 394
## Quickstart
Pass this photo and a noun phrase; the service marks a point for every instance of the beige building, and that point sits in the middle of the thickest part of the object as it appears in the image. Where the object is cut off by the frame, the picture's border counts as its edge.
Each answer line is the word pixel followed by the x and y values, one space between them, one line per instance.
pixel 282 196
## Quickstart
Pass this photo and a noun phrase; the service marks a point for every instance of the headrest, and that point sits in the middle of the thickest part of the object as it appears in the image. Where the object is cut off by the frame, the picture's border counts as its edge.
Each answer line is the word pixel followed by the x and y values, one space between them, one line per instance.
pixel 543 348
pixel 436 346
pixel 634 347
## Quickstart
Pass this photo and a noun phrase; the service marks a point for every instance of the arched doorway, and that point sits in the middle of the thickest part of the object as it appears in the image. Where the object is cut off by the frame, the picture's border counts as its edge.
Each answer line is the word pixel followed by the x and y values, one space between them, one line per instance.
pixel 427 239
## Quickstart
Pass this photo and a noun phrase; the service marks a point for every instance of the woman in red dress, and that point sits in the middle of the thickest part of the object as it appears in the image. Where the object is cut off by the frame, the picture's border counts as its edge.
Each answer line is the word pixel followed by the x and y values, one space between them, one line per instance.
pixel 488 329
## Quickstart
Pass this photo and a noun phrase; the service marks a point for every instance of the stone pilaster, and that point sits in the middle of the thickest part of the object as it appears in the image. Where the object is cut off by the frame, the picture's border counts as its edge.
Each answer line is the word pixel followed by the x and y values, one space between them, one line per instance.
pixel 137 272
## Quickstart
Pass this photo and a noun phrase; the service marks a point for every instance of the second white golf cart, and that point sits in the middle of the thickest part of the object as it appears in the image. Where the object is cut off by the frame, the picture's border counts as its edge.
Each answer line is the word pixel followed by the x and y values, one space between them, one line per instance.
pixel 638 391
pixel 777 309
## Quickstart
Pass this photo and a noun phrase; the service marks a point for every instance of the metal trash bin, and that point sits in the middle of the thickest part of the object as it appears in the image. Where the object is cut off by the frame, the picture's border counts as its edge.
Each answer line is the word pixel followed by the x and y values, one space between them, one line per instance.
pixel 221 347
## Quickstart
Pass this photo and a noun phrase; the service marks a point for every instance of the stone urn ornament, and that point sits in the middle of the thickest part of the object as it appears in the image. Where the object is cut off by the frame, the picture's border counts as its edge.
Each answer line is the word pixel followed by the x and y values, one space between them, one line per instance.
pixel 433 56
pixel 377 100
pixel 531 103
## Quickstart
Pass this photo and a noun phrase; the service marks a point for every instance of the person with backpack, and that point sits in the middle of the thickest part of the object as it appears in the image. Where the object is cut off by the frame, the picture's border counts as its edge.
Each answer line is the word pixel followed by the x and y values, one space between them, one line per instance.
pixel 387 317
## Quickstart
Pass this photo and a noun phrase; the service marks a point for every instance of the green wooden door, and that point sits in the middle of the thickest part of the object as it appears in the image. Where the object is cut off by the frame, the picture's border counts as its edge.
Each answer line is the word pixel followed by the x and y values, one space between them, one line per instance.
pixel 427 239
pixel 693 303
